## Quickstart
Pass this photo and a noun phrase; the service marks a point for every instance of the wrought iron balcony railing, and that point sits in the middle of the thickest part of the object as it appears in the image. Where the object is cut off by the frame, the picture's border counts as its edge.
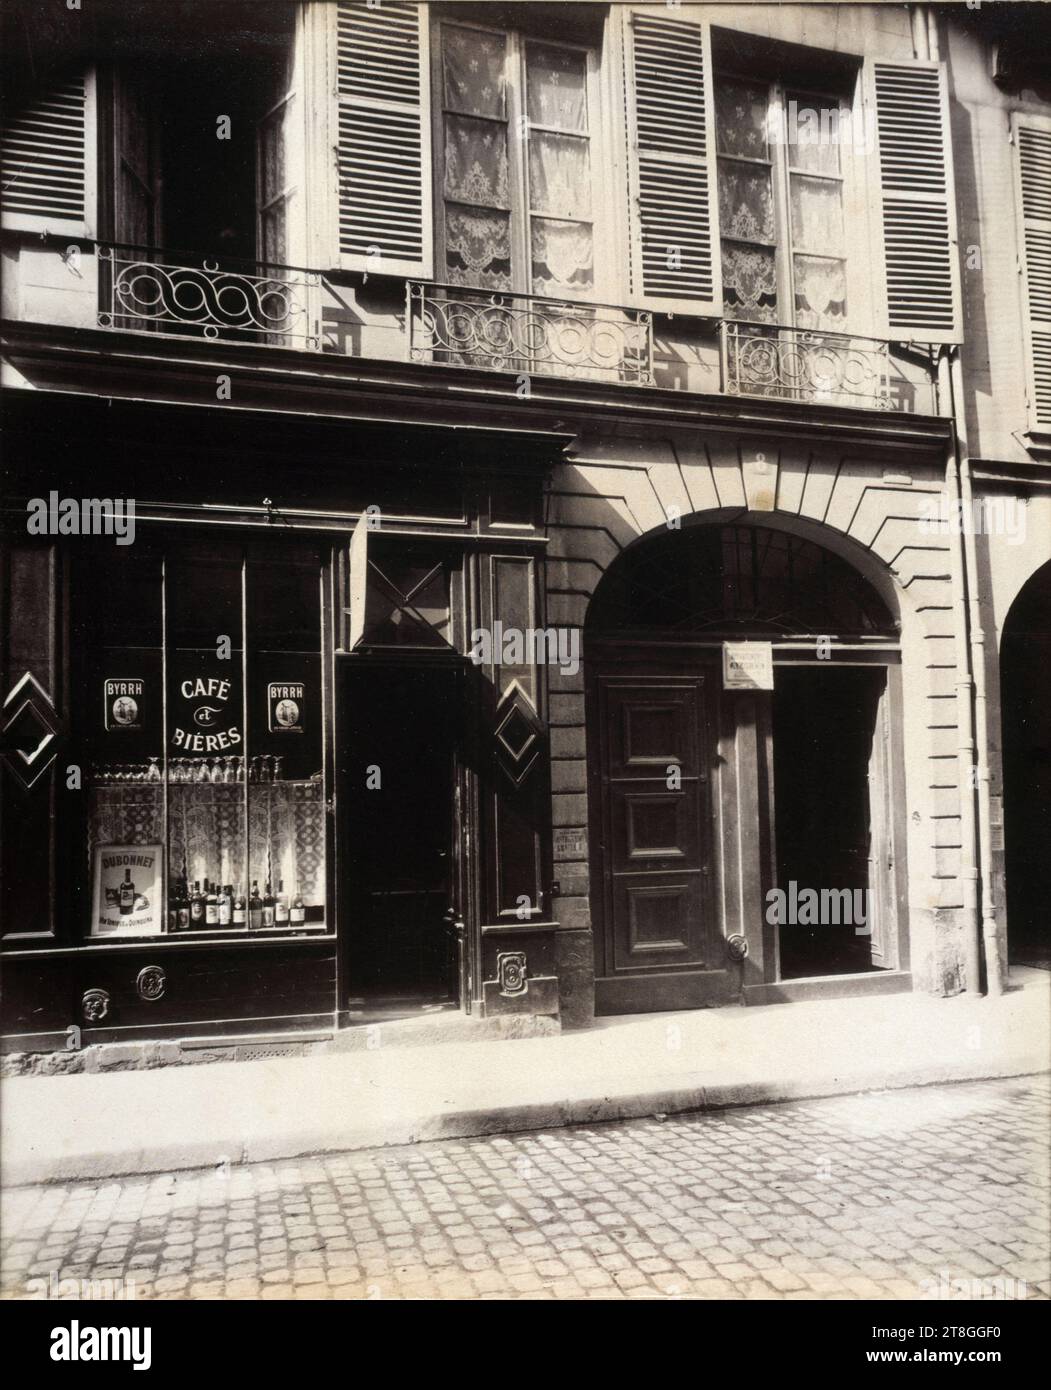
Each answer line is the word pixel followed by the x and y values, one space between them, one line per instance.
pixel 528 333
pixel 805 365
pixel 144 295
pixel 145 290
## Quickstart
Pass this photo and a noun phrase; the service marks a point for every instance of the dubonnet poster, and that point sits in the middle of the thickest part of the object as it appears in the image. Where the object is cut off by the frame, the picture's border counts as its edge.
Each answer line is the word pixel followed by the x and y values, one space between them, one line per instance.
pixel 127 897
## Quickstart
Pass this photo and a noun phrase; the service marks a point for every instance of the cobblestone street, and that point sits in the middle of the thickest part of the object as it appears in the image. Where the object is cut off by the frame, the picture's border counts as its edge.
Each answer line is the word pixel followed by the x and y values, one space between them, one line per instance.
pixel 892 1195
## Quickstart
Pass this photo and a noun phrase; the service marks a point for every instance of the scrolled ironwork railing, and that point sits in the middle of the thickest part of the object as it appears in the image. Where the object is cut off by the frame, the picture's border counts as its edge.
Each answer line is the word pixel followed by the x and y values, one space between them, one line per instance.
pixel 806 365
pixel 278 308
pixel 528 333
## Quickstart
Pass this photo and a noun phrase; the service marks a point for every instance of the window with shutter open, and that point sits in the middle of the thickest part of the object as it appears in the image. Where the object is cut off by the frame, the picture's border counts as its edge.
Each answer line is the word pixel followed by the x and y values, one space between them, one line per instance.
pixel 49 161
pixel 1032 136
pixel 383 138
pixel 919 218
pixel 674 239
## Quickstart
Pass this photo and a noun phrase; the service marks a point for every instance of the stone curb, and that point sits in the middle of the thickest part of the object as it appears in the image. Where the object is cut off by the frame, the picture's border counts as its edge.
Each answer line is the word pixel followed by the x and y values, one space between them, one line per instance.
pixel 501 1119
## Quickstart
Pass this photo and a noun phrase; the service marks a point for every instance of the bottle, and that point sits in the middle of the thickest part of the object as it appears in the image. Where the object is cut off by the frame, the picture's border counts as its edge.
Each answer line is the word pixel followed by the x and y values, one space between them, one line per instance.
pixel 225 905
pixel 281 905
pixel 255 907
pixel 268 907
pixel 184 904
pixel 211 905
pixel 240 913
pixel 197 905
pixel 299 912
pixel 173 905
pixel 127 895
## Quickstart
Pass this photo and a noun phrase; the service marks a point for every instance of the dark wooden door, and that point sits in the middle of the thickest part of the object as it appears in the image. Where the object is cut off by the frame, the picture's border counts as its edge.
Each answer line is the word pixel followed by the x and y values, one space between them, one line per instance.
pixel 398 786
pixel 660 945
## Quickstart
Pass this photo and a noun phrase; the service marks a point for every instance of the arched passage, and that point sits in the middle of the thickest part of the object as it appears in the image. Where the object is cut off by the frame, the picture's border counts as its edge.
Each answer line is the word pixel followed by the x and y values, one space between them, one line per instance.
pixel 1025 676
pixel 742 838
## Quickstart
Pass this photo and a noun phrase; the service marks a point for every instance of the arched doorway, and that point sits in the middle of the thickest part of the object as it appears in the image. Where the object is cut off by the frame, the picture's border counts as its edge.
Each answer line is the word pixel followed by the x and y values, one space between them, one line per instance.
pixel 742 839
pixel 1025 677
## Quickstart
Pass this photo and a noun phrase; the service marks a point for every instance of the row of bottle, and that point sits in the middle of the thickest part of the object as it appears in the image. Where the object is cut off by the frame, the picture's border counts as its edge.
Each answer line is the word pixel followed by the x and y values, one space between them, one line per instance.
pixel 218 906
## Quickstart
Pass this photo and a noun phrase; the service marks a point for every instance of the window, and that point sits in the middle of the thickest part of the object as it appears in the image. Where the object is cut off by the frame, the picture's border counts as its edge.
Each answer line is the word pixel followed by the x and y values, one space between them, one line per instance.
pixel 516 184
pixel 202 717
pixel 781 204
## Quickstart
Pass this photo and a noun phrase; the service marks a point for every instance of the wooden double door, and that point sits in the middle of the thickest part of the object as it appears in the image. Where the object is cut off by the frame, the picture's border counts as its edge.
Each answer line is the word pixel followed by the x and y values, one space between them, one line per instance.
pixel 659 943
pixel 703 800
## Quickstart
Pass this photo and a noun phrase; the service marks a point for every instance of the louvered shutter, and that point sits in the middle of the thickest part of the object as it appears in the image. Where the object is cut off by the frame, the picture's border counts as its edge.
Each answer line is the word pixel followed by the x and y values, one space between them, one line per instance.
pixel 48 161
pixel 383 139
pixel 674 234
pixel 1033 169
pixel 921 262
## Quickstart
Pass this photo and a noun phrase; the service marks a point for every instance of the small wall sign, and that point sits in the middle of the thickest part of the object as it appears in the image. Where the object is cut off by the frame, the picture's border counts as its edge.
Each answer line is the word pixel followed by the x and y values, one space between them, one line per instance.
pixel 127 899
pixel 285 700
pixel 124 702
pixel 748 666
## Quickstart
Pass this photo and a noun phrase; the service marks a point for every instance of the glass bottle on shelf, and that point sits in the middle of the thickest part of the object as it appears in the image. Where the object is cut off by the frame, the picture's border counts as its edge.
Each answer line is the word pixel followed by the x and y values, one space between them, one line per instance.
pixel 127 895
pixel 298 914
pixel 184 904
pixel 225 905
pixel 255 907
pixel 197 905
pixel 211 905
pixel 281 905
pixel 268 907
pixel 239 912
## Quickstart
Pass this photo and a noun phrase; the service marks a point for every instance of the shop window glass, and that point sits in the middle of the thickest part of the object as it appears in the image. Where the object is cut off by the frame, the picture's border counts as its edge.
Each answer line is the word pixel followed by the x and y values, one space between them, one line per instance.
pixel 206 803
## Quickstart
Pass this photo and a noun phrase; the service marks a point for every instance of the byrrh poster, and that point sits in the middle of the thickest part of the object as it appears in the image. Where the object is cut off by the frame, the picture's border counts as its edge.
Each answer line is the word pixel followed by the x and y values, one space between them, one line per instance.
pixel 127 897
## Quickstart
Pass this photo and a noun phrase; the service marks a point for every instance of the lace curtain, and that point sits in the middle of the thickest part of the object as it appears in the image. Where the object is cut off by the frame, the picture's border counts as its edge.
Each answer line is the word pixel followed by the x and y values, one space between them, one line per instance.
pixel 474 71
pixel 562 256
pixel 477 247
pixel 821 292
pixel 556 88
pixel 741 119
pixel 749 283
pixel 817 215
pixel 559 175
pixel 476 169
pixel 746 204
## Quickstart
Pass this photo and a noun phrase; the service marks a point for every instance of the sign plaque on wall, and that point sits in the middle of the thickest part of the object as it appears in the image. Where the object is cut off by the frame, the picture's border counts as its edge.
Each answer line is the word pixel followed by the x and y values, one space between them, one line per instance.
pixel 748 666
pixel 127 899
pixel 124 702
pixel 285 701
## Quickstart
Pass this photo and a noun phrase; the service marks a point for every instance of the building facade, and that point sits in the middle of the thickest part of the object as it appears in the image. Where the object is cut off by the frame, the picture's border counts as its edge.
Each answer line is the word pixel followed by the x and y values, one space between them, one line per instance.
pixel 520 509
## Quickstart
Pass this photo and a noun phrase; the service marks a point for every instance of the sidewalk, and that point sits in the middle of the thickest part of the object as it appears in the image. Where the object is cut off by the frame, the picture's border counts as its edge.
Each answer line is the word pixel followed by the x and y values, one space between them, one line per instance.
pixel 106 1125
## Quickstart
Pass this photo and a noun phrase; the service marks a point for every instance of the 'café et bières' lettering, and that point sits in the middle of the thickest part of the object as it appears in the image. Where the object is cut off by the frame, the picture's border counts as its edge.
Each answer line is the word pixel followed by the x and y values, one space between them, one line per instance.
pixel 207 695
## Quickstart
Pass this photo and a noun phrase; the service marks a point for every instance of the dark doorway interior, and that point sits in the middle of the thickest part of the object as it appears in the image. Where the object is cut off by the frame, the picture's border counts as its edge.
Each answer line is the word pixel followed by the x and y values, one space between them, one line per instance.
pixel 1025 673
pixel 400 735
pixel 823 721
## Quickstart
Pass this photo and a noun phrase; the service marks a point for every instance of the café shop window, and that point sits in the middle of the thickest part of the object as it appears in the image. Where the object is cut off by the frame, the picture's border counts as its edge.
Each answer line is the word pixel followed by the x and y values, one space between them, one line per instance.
pixel 201 697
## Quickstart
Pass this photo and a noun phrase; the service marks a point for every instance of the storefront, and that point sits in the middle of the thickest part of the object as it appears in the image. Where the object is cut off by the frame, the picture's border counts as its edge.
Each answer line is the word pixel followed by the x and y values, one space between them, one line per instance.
pixel 249 754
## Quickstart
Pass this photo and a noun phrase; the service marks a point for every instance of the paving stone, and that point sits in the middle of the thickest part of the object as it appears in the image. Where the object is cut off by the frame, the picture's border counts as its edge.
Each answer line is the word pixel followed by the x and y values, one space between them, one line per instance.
pixel 915 1193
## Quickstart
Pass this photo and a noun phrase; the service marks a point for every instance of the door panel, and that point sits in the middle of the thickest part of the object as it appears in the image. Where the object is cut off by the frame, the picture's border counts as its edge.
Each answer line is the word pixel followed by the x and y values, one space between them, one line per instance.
pixel 651 781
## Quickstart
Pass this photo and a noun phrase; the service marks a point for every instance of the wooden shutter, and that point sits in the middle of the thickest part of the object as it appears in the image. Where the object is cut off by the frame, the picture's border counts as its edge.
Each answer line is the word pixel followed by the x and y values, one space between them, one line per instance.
pixel 383 139
pixel 674 234
pixel 918 206
pixel 1032 136
pixel 49 161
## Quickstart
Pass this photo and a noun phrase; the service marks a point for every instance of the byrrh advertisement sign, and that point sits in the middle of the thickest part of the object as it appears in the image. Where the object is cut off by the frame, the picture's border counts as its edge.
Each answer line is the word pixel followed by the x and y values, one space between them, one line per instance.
pixel 127 891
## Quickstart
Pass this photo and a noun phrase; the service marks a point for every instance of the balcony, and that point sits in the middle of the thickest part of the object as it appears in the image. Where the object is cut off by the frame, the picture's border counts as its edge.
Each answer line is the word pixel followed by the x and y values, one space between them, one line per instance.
pixel 148 291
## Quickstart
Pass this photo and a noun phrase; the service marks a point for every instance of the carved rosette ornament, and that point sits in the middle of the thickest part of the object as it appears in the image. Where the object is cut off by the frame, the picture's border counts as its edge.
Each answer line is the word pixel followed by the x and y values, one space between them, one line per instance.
pixel 150 983
pixel 736 947
pixel 94 1005
pixel 511 972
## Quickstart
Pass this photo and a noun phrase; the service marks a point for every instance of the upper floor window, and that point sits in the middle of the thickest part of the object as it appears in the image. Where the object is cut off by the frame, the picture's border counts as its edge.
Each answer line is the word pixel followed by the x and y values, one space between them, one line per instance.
pixel 516 157
pixel 781 204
